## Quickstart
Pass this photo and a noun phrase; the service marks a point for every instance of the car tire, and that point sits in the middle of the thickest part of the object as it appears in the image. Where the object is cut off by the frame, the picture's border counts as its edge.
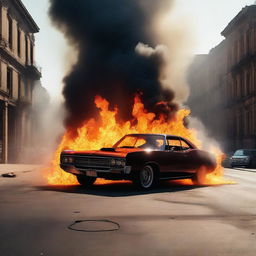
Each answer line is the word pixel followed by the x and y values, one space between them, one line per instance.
pixel 146 178
pixel 199 177
pixel 85 180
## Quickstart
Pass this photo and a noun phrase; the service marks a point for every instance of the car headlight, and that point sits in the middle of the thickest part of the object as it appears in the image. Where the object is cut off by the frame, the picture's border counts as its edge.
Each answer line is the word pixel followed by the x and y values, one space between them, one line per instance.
pixel 120 162
pixel 123 163
pixel 112 162
pixel 67 160
pixel 71 160
pixel 117 162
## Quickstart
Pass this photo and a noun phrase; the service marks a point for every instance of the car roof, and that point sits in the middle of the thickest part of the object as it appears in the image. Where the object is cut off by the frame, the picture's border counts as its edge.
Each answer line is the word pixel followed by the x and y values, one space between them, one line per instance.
pixel 153 134
pixel 165 135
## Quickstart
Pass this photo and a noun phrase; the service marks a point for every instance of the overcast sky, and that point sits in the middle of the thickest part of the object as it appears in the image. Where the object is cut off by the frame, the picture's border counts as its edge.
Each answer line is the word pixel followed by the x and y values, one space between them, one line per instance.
pixel 208 19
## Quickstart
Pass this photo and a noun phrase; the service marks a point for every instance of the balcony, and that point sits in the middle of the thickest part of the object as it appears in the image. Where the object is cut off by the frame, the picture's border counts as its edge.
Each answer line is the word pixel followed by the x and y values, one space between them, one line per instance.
pixel 34 71
pixel 24 101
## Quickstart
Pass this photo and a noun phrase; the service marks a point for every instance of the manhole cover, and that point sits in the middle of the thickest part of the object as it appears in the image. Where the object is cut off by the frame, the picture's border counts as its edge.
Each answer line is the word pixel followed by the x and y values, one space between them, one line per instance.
pixel 94 226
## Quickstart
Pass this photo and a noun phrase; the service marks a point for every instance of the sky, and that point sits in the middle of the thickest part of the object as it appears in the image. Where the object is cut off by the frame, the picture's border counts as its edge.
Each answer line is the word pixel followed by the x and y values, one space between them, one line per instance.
pixel 207 18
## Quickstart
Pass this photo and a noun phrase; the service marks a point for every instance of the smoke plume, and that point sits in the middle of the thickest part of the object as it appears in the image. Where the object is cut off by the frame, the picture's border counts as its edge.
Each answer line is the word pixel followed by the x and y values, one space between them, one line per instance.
pixel 120 52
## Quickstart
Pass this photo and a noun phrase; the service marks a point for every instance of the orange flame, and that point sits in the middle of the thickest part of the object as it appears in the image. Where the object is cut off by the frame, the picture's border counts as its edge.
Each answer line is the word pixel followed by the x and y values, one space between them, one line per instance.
pixel 95 135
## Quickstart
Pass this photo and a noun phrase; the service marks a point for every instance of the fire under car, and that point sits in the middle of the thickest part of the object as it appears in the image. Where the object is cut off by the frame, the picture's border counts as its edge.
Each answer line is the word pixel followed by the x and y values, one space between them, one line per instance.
pixel 144 159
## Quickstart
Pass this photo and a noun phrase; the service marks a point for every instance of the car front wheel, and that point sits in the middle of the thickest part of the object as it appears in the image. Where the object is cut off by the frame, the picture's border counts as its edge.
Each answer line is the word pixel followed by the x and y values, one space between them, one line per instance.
pixel 85 181
pixel 146 178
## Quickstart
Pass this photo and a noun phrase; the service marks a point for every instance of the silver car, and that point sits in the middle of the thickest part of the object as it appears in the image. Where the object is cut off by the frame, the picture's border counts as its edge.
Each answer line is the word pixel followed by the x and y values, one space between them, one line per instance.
pixel 243 157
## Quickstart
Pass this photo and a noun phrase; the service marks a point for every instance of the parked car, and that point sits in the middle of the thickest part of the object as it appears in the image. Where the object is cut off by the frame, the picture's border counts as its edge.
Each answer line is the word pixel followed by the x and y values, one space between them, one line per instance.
pixel 243 157
pixel 143 158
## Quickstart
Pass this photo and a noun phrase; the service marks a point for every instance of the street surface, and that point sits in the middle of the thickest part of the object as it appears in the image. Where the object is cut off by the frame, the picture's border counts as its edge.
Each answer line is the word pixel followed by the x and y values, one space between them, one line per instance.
pixel 171 220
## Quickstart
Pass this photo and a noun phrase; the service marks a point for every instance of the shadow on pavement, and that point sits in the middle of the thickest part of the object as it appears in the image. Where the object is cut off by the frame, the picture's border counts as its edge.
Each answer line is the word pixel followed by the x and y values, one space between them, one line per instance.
pixel 117 189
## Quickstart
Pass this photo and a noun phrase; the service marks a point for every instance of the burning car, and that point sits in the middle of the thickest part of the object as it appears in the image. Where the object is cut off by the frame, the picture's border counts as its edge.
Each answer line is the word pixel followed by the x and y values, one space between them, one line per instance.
pixel 142 158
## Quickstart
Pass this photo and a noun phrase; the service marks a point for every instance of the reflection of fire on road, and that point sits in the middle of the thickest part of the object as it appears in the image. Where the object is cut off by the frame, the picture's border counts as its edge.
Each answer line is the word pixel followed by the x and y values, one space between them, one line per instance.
pixel 95 134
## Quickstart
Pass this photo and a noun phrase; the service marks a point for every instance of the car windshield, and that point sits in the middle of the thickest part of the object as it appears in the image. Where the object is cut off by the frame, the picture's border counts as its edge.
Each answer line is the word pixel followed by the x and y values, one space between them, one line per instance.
pixel 241 153
pixel 144 141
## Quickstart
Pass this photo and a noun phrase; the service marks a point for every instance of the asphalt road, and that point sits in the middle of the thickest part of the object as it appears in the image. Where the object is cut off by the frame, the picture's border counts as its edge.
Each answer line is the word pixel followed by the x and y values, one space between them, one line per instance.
pixel 36 219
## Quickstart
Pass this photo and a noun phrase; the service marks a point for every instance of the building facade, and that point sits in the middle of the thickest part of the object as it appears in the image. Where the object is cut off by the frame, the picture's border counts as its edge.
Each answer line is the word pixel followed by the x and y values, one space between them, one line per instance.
pixel 18 77
pixel 223 84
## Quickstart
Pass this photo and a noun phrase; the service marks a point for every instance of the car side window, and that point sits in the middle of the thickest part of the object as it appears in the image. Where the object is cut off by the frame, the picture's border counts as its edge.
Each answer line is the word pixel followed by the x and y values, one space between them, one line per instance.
pixel 184 145
pixel 174 144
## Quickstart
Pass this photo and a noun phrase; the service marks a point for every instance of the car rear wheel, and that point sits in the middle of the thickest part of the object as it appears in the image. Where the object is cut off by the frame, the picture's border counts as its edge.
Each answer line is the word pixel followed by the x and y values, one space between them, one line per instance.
pixel 85 180
pixel 147 178
pixel 200 177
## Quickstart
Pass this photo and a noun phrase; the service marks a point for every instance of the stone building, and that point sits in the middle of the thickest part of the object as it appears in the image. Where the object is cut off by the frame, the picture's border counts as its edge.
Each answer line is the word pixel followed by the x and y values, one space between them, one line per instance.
pixel 223 84
pixel 18 77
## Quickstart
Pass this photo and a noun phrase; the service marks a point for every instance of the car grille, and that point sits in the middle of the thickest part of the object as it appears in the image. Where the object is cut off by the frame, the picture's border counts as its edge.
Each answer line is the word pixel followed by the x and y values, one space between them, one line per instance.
pixel 239 160
pixel 92 162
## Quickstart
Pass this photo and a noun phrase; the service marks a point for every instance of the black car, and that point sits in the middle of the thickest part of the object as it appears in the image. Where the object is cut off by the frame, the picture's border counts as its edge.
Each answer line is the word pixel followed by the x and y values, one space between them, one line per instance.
pixel 243 157
pixel 142 158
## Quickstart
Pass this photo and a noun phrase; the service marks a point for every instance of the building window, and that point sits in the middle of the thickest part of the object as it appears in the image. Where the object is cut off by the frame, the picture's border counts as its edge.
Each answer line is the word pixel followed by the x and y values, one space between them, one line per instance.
pixel 247 123
pixel 236 51
pixel 18 41
pixel 26 43
pixel 19 86
pixel 251 123
pixel 31 54
pixel 241 125
pixel 9 81
pixel 235 88
pixel 248 83
pixel 10 32
pixel 242 84
pixel 248 41
pixel 238 87
pixel 241 46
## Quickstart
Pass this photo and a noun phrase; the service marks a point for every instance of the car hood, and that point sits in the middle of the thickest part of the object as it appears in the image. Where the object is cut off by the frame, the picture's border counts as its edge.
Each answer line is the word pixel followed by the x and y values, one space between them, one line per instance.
pixel 115 153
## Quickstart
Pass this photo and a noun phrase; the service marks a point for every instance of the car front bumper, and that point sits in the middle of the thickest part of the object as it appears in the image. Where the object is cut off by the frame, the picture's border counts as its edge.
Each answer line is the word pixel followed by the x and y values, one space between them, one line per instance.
pixel 239 162
pixel 115 173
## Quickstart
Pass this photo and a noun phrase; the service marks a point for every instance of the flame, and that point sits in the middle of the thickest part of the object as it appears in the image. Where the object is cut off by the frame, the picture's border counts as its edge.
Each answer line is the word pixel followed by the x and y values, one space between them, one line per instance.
pixel 95 135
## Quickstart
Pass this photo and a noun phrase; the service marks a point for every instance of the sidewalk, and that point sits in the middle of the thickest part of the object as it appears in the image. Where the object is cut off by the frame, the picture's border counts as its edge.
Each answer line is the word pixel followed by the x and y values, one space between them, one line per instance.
pixel 16 168
pixel 243 169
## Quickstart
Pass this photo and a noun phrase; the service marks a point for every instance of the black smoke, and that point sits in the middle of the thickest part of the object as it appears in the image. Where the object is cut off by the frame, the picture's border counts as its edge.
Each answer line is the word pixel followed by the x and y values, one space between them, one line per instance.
pixel 105 34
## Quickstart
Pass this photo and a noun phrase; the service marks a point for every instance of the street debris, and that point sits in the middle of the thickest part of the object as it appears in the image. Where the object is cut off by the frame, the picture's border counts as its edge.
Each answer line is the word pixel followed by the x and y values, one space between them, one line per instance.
pixel 9 175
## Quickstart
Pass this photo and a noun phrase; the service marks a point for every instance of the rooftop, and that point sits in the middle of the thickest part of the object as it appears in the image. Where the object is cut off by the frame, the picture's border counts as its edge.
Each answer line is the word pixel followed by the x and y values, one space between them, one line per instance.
pixel 245 12
pixel 26 15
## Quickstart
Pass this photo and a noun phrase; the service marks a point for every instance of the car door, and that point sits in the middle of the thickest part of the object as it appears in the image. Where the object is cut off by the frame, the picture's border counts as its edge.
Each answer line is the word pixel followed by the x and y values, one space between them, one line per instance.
pixel 174 155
